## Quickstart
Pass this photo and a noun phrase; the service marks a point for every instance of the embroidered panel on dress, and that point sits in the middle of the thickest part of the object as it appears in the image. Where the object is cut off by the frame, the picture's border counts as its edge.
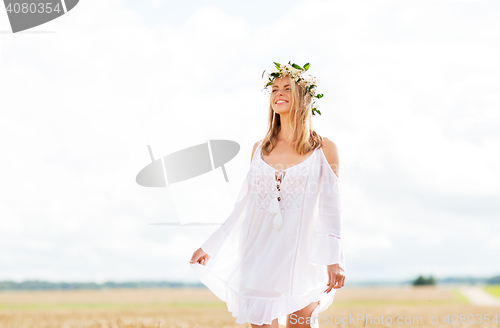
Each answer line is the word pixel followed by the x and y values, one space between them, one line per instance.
pixel 290 190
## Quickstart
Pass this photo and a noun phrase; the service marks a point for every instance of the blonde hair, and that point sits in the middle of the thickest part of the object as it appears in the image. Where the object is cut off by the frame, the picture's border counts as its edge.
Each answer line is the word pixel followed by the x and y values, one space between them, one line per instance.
pixel 300 115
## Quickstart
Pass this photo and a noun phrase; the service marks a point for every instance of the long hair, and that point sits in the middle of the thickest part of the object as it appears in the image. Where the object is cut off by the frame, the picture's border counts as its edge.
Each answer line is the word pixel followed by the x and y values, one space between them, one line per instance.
pixel 300 120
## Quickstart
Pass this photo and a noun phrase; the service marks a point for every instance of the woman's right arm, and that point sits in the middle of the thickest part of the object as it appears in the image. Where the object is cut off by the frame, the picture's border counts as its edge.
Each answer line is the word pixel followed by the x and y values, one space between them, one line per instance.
pixel 212 245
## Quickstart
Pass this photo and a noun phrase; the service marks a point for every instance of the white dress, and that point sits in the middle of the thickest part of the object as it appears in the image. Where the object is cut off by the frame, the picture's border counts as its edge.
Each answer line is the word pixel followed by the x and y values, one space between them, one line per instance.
pixel 269 258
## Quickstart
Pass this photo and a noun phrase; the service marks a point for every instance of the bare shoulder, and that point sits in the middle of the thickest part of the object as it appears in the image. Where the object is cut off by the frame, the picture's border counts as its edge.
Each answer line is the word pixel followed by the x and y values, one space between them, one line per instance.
pixel 332 154
pixel 254 148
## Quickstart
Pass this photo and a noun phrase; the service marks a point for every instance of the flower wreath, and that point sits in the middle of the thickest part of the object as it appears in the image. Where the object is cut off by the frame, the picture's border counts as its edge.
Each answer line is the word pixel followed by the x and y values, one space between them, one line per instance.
pixel 297 74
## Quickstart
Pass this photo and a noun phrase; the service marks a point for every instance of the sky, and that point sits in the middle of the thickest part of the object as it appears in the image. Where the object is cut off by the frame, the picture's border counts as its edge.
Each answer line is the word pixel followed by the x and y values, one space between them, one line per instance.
pixel 411 98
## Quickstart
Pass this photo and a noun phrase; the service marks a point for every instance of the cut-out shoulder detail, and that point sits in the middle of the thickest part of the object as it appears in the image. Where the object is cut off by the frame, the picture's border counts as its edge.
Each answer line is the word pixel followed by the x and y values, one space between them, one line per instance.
pixel 328 164
pixel 331 154
pixel 255 146
pixel 254 150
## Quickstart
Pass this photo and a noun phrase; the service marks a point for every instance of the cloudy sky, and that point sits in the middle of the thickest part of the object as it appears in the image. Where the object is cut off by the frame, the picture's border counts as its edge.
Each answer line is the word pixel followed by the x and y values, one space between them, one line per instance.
pixel 412 98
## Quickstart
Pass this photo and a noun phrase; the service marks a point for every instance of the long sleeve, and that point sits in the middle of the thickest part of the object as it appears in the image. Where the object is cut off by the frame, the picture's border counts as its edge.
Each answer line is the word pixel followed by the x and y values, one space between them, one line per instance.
pixel 327 243
pixel 213 244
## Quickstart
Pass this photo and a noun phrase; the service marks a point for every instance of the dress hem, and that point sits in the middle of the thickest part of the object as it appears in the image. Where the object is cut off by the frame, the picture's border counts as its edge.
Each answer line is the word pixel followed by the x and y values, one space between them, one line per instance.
pixel 225 293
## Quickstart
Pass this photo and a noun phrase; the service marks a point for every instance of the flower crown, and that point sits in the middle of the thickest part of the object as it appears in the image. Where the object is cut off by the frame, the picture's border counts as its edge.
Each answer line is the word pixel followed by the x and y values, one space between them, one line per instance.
pixel 298 75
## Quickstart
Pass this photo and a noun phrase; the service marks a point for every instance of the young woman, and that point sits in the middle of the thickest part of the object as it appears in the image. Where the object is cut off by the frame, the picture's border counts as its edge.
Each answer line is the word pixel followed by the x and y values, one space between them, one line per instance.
pixel 279 257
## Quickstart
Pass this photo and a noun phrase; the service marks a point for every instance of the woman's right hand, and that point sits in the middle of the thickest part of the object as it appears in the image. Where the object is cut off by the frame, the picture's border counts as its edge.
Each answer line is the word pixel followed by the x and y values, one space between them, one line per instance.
pixel 200 256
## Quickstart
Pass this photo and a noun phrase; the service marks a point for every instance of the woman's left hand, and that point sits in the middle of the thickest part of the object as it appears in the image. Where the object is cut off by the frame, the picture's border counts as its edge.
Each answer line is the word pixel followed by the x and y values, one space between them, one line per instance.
pixel 336 277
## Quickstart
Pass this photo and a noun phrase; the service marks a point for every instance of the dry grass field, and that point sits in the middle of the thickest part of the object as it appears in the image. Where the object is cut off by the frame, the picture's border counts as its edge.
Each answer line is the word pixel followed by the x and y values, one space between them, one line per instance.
pixel 190 308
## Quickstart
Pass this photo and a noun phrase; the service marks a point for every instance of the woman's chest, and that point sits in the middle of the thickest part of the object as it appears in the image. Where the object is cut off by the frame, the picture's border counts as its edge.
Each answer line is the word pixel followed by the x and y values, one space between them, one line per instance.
pixel 289 187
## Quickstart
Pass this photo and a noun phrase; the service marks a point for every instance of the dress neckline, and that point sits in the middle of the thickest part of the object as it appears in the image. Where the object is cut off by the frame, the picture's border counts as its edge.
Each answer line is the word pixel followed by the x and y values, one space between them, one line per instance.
pixel 291 167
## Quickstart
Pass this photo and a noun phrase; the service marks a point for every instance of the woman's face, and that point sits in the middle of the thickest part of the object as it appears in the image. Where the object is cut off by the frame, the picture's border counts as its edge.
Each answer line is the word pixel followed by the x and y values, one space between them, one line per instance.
pixel 281 95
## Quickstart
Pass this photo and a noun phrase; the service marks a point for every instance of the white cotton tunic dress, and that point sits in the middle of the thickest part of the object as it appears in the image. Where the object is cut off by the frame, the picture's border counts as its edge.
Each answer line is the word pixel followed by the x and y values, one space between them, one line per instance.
pixel 270 256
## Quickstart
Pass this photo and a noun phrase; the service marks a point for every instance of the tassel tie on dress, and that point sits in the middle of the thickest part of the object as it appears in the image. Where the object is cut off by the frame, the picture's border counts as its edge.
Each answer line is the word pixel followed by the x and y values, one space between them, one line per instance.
pixel 274 207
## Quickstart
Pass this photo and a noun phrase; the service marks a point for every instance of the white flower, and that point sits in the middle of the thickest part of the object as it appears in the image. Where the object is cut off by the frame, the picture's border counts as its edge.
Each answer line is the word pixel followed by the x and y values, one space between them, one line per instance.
pixel 310 79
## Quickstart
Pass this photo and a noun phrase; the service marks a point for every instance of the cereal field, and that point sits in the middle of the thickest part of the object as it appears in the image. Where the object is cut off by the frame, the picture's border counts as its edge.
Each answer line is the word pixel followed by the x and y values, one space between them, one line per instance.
pixel 189 308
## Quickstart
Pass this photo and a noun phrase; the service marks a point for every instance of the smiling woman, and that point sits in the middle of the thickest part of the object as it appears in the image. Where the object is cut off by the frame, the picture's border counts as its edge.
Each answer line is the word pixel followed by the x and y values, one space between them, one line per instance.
pixel 278 258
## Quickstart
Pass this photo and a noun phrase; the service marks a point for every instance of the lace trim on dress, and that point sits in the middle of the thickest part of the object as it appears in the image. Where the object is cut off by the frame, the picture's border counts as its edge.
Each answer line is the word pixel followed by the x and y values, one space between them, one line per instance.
pixel 286 190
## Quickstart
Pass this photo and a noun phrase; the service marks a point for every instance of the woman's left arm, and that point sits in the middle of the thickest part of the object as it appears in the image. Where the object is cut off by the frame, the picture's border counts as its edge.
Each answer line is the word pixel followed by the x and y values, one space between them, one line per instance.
pixel 327 245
